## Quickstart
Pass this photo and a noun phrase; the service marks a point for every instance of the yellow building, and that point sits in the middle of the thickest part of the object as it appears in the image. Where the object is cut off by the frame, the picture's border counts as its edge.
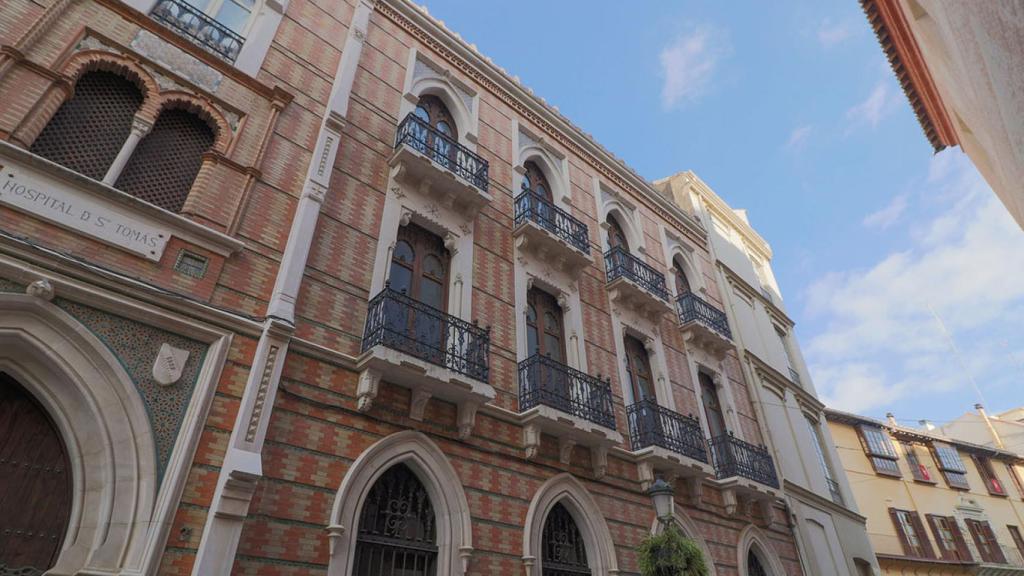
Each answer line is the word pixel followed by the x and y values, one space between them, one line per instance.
pixel 934 505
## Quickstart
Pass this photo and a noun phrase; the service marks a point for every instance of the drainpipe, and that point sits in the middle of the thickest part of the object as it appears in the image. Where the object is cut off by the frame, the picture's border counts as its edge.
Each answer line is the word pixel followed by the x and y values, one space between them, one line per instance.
pixel 243 463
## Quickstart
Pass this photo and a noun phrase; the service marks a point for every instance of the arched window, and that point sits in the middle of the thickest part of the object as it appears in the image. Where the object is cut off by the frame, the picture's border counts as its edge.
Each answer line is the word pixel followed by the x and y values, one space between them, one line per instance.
pixel 89 129
pixel 397 528
pixel 419 269
pixel 36 503
pixel 544 325
pixel 535 181
pixel 713 412
pixel 616 237
pixel 682 283
pixel 638 366
pixel 167 160
pixel 564 551
pixel 437 141
pixel 754 565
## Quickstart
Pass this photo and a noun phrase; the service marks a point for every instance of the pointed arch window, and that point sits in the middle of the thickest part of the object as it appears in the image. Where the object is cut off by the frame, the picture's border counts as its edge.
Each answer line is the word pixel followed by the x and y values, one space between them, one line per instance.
pixel 88 130
pixel 754 565
pixel 397 528
pixel 713 412
pixel 679 275
pixel 535 181
pixel 439 133
pixel 564 551
pixel 616 237
pixel 638 367
pixel 544 325
pixel 165 163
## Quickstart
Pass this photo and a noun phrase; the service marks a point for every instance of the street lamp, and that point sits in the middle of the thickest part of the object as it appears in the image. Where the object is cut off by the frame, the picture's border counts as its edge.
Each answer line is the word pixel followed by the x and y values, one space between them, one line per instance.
pixel 664 500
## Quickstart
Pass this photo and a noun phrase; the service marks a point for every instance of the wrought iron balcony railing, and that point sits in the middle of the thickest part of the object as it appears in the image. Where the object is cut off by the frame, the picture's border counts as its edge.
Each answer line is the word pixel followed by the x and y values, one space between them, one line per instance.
pixel 734 457
pixel 653 425
pixel 199 28
pixel 443 150
pixel 543 380
pixel 693 308
pixel 533 207
pixel 619 263
pixel 398 322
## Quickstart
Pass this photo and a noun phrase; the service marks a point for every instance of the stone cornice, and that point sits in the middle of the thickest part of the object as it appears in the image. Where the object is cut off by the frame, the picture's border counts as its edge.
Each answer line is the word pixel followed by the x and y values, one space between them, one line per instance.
pixel 753 293
pixel 797 491
pixel 457 52
pixel 721 210
pixel 767 373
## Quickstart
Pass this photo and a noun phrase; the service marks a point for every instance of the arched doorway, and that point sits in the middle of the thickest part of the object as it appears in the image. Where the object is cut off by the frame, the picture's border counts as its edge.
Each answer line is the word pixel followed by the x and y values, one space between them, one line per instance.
pixel 397 528
pixel 35 483
pixel 564 550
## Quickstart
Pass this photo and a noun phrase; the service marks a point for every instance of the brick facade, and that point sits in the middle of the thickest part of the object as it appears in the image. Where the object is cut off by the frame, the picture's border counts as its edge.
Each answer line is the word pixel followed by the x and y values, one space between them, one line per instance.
pixel 249 189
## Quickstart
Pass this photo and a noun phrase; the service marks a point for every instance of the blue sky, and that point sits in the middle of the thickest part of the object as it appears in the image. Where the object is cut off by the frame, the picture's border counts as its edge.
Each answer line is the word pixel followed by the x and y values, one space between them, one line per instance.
pixel 790 111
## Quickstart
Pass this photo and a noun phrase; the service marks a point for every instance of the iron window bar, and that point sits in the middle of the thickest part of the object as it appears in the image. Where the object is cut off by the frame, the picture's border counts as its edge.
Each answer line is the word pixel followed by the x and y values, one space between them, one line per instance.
pixel 693 308
pixel 399 322
pixel 619 263
pixel 199 28
pixel 545 381
pixel 654 425
pixel 535 208
pixel 443 150
pixel 735 457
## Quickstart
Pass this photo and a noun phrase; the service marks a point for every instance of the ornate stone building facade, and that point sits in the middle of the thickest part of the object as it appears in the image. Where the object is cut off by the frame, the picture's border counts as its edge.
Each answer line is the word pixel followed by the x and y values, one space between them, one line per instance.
pixel 313 287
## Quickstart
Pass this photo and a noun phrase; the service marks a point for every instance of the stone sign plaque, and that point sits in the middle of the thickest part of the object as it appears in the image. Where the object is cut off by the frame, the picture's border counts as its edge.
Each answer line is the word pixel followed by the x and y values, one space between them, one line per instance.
pixel 30 190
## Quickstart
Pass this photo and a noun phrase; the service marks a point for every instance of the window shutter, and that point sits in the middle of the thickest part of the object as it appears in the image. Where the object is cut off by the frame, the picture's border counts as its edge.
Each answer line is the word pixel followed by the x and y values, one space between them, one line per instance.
pixel 997 550
pixel 922 535
pixel 89 129
pixel 943 552
pixel 167 160
pixel 961 545
pixel 904 542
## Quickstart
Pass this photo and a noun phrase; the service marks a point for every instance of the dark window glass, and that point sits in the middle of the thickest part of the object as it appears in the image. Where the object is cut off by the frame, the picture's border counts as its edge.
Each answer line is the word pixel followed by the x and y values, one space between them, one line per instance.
pixel 917 469
pixel 397 528
pixel 754 565
pixel 879 449
pixel 545 337
pixel 616 237
pixel 712 406
pixel 638 367
pixel 951 465
pixel 682 283
pixel 564 551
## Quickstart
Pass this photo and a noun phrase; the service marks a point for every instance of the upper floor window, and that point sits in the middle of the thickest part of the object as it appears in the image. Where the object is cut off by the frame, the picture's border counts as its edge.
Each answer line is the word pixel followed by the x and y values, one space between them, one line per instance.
pixel 419 266
pixel 911 533
pixel 438 133
pixel 563 548
pixel 397 528
pixel 819 447
pixel 220 26
pixel 951 465
pixel 679 276
pixel 616 237
pixel 920 472
pixel 879 450
pixel 988 475
pixel 1011 469
pixel 535 181
pixel 89 129
pixel 988 547
pixel 638 368
pixel 949 538
pixel 1018 540
pixel 544 325
pixel 713 411
pixel 163 167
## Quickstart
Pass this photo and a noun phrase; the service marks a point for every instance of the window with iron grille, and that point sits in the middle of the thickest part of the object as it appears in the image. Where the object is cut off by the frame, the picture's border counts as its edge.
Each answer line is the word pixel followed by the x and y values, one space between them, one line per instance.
pixel 951 465
pixel 167 160
pixel 879 450
pixel 89 129
pixel 397 531
pixel 919 470
pixel 564 552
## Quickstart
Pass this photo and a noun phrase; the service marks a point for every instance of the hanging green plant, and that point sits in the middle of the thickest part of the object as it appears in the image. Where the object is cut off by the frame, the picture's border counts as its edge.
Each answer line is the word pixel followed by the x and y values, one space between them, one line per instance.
pixel 671 554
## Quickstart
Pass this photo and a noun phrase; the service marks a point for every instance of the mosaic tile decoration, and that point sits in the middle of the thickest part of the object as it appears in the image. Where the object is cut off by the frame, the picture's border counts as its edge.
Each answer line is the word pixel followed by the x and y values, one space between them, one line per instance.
pixel 136 345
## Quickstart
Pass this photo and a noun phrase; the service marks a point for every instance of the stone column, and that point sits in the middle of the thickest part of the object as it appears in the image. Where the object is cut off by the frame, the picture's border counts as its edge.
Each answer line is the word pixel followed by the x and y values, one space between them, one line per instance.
pixel 140 127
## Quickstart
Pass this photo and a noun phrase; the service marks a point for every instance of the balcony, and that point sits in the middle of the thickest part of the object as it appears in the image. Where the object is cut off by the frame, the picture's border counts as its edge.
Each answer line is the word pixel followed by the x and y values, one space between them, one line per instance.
pixel 551 233
pixel 439 167
pixel 668 444
pixel 746 473
pixel 572 406
pixel 703 325
pixel 635 284
pixel 432 353
pixel 198 28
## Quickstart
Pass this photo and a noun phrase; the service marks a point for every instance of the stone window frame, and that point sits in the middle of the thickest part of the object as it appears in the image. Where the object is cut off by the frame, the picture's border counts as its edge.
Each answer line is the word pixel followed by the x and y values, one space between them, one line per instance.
pixel 753 537
pixel 260 31
pixel 690 530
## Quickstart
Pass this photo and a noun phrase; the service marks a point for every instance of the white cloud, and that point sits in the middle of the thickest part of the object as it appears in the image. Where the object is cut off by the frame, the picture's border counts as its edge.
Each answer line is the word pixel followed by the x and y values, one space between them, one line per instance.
pixel 872 109
pixel 887 216
pixel 832 33
pixel 880 341
pixel 799 136
pixel 688 64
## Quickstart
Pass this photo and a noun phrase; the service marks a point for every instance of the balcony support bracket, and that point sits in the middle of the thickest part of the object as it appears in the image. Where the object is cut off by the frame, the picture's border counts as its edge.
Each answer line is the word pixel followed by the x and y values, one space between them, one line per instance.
pixel 367 389
pixel 531 440
pixel 467 418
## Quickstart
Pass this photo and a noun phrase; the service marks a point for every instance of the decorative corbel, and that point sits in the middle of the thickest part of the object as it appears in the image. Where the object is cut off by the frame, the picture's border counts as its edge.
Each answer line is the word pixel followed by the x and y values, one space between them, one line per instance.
pixel 645 470
pixel 599 457
pixel 405 218
pixel 41 289
pixel 730 502
pixel 694 487
pixel 334 534
pixel 465 553
pixel 367 389
pixel 449 242
pixel 418 404
pixel 531 440
pixel 528 562
pixel 467 418
pixel 563 302
pixel 767 512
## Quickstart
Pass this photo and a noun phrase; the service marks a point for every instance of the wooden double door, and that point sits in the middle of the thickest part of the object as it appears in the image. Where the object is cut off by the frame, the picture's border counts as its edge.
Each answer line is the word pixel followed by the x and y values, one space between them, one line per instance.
pixel 35 483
